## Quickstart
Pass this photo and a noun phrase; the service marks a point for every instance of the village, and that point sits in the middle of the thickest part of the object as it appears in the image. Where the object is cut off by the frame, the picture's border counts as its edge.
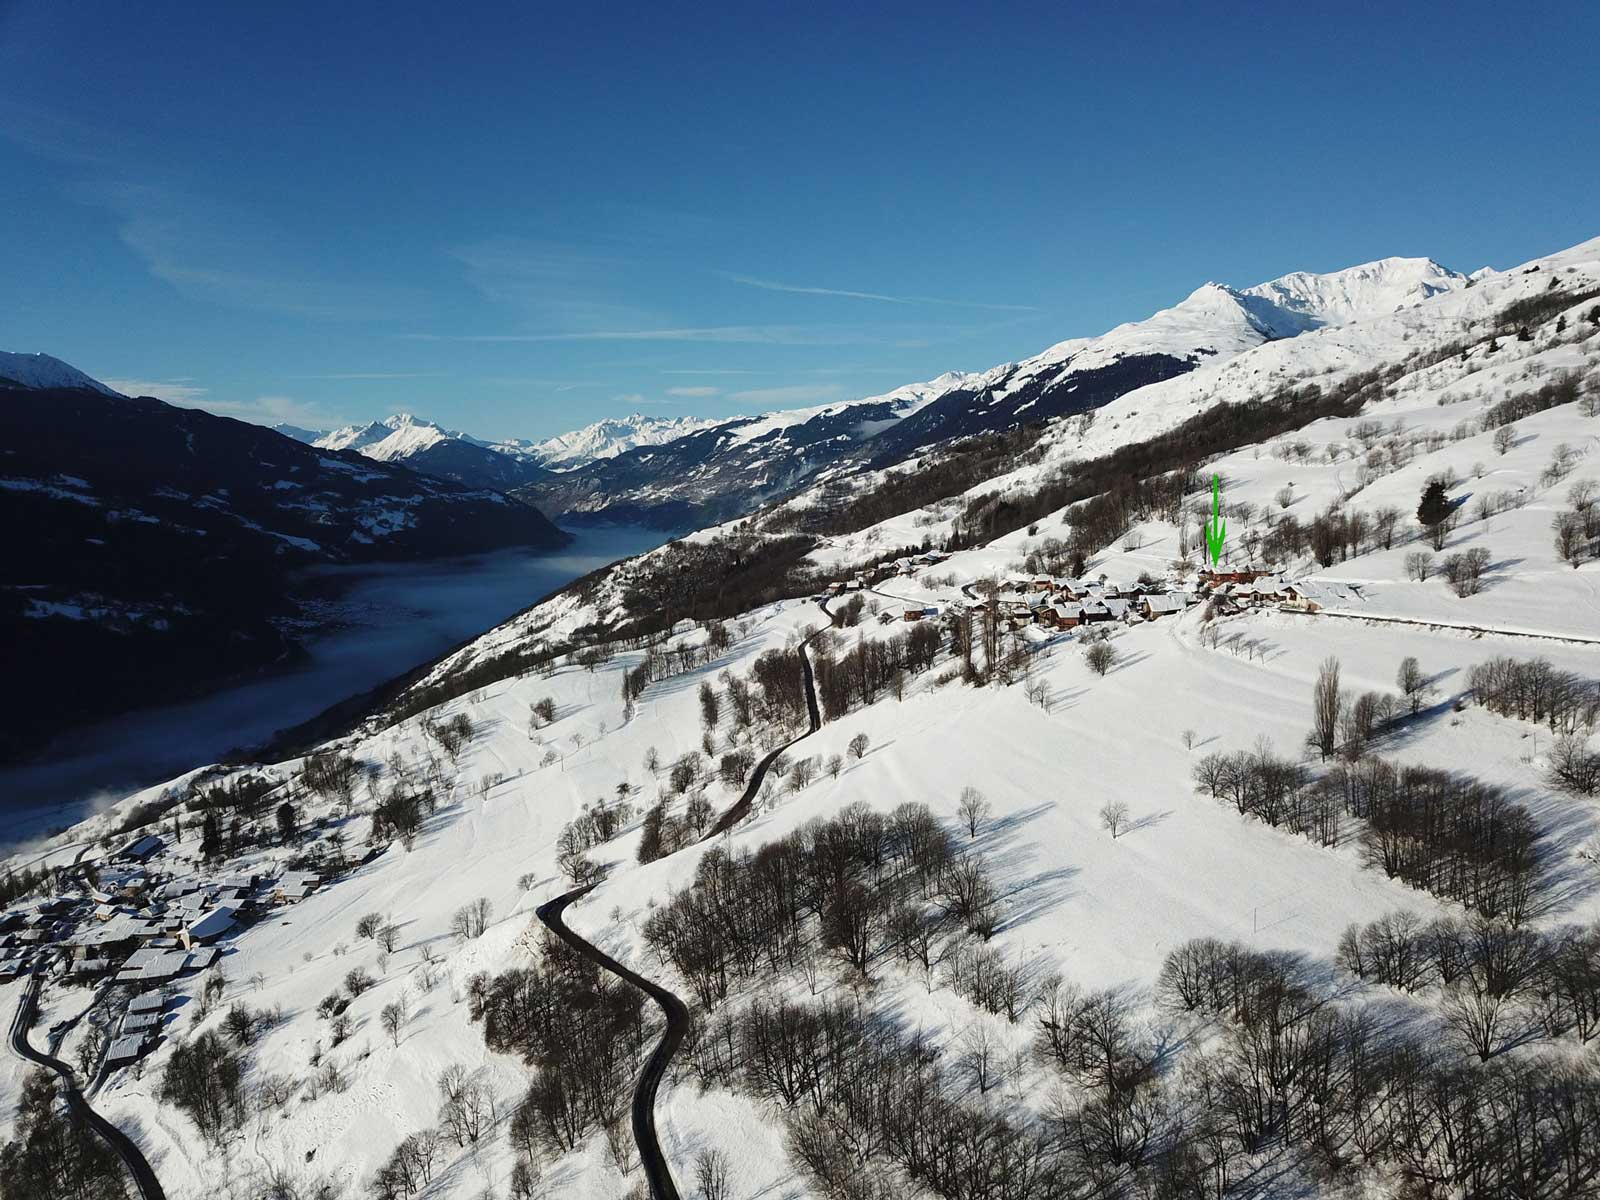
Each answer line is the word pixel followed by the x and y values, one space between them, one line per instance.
pixel 1033 604
pixel 144 925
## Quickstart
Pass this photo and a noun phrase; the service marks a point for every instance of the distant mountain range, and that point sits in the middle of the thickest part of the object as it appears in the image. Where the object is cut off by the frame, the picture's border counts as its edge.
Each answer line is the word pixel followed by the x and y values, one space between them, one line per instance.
pixel 732 466
pixel 432 449
pixel 152 549
pixel 686 472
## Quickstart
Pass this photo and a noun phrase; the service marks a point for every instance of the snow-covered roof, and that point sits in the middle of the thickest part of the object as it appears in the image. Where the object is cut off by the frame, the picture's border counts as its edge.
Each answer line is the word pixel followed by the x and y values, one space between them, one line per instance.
pixel 125 1048
pixel 213 924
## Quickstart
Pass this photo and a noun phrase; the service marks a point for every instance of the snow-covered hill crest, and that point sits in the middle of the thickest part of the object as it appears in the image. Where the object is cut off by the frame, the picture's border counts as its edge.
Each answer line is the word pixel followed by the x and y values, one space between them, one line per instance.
pixel 689 480
pixel 44 371
pixel 607 439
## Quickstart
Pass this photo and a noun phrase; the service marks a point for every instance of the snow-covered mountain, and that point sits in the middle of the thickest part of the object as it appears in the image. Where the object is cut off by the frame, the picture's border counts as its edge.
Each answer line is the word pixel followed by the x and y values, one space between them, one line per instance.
pixel 1296 421
pixel 43 371
pixel 426 446
pixel 738 464
pixel 606 439
pixel 730 466
pixel 1312 301
pixel 399 436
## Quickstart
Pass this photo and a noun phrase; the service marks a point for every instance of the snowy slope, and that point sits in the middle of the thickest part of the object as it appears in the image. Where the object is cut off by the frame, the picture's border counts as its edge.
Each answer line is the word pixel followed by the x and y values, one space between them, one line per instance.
pixel 607 439
pixel 1303 301
pixel 43 371
pixel 691 480
pixel 1102 911
pixel 392 438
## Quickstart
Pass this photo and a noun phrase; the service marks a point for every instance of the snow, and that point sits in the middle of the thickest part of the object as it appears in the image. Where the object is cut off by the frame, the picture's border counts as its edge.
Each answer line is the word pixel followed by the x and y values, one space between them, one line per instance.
pixel 1104 912
pixel 43 371
pixel 607 439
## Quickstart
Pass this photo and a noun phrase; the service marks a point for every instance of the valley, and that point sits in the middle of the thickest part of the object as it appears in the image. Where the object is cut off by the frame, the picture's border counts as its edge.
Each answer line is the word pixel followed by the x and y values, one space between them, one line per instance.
pixel 382 621
pixel 996 838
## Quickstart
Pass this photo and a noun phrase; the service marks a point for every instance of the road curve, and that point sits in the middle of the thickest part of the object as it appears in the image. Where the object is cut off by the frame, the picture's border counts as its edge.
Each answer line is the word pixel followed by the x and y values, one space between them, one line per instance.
pixel 656 1170
pixel 741 807
pixel 144 1177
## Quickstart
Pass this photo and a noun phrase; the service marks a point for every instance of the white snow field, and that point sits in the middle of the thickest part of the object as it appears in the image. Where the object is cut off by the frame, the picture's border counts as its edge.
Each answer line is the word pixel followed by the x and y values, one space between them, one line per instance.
pixel 1099 910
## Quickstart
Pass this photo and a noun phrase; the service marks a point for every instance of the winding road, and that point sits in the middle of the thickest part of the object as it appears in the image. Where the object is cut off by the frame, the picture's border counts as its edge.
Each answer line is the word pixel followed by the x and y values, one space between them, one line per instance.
pixel 656 1170
pixel 143 1176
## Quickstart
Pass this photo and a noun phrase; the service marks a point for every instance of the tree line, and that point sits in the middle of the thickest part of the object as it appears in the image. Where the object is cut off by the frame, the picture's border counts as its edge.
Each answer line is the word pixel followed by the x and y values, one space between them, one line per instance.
pixel 855 888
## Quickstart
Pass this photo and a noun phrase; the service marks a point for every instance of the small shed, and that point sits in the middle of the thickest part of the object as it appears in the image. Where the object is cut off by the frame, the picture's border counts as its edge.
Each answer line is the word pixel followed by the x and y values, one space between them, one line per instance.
pixel 141 1022
pixel 124 1050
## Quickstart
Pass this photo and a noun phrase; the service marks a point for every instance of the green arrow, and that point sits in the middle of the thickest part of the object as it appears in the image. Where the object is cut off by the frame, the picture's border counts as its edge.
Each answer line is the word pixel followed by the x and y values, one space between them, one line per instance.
pixel 1216 528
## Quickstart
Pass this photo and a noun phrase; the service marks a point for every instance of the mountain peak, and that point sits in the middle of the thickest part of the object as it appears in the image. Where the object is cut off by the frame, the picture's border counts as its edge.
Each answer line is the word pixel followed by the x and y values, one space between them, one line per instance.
pixel 47 371
pixel 1366 290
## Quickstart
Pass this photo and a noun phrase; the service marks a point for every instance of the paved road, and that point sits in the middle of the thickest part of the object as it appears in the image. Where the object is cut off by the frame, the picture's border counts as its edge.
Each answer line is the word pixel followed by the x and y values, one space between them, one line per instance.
pixel 143 1177
pixel 1446 626
pixel 656 1170
pixel 741 807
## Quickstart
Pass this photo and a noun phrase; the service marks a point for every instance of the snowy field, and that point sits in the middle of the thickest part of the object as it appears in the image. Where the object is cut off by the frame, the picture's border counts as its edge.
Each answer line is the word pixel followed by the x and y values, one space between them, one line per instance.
pixel 1101 911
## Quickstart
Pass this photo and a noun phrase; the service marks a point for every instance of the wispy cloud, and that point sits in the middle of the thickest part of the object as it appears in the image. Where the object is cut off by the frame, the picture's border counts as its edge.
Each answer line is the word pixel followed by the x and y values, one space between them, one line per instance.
pixel 182 391
pixel 566 286
pixel 206 249
pixel 379 375
pixel 692 392
pixel 769 285
pixel 772 335
pixel 55 136
pixel 263 410
pixel 217 254
pixel 789 397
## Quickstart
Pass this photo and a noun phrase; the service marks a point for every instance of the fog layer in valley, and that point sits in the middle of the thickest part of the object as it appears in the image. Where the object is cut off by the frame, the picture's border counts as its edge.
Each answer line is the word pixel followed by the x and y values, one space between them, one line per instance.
pixel 398 617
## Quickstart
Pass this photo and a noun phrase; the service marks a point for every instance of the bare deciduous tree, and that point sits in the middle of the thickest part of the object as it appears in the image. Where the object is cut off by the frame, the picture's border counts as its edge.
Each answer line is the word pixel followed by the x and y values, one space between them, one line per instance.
pixel 1113 816
pixel 973 809
pixel 711 1174
pixel 470 920
pixel 1325 708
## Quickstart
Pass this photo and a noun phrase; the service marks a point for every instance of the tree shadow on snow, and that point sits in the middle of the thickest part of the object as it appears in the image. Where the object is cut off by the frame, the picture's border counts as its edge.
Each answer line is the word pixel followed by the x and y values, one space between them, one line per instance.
pixel 1037 896
pixel 1149 821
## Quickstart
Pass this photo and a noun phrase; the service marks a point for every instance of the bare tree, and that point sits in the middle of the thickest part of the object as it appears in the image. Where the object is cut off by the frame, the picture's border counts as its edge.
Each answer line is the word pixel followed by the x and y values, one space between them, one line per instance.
pixel 711 1174
pixel 1113 816
pixel 1413 683
pixel 1101 656
pixel 394 1017
pixel 973 808
pixel 858 745
pixel 1325 708
pixel 1505 437
pixel 1477 1015
pixel 470 920
pixel 1569 537
pixel 1188 739
pixel 981 1053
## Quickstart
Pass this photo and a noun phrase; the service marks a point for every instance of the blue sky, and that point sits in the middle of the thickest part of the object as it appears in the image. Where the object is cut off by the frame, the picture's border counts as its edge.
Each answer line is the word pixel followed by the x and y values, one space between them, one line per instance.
pixel 516 219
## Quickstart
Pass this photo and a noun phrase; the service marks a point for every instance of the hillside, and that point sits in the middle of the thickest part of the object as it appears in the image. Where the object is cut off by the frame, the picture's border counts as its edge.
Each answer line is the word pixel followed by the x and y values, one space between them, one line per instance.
pixel 154 548
pixel 1157 949
pixel 724 473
